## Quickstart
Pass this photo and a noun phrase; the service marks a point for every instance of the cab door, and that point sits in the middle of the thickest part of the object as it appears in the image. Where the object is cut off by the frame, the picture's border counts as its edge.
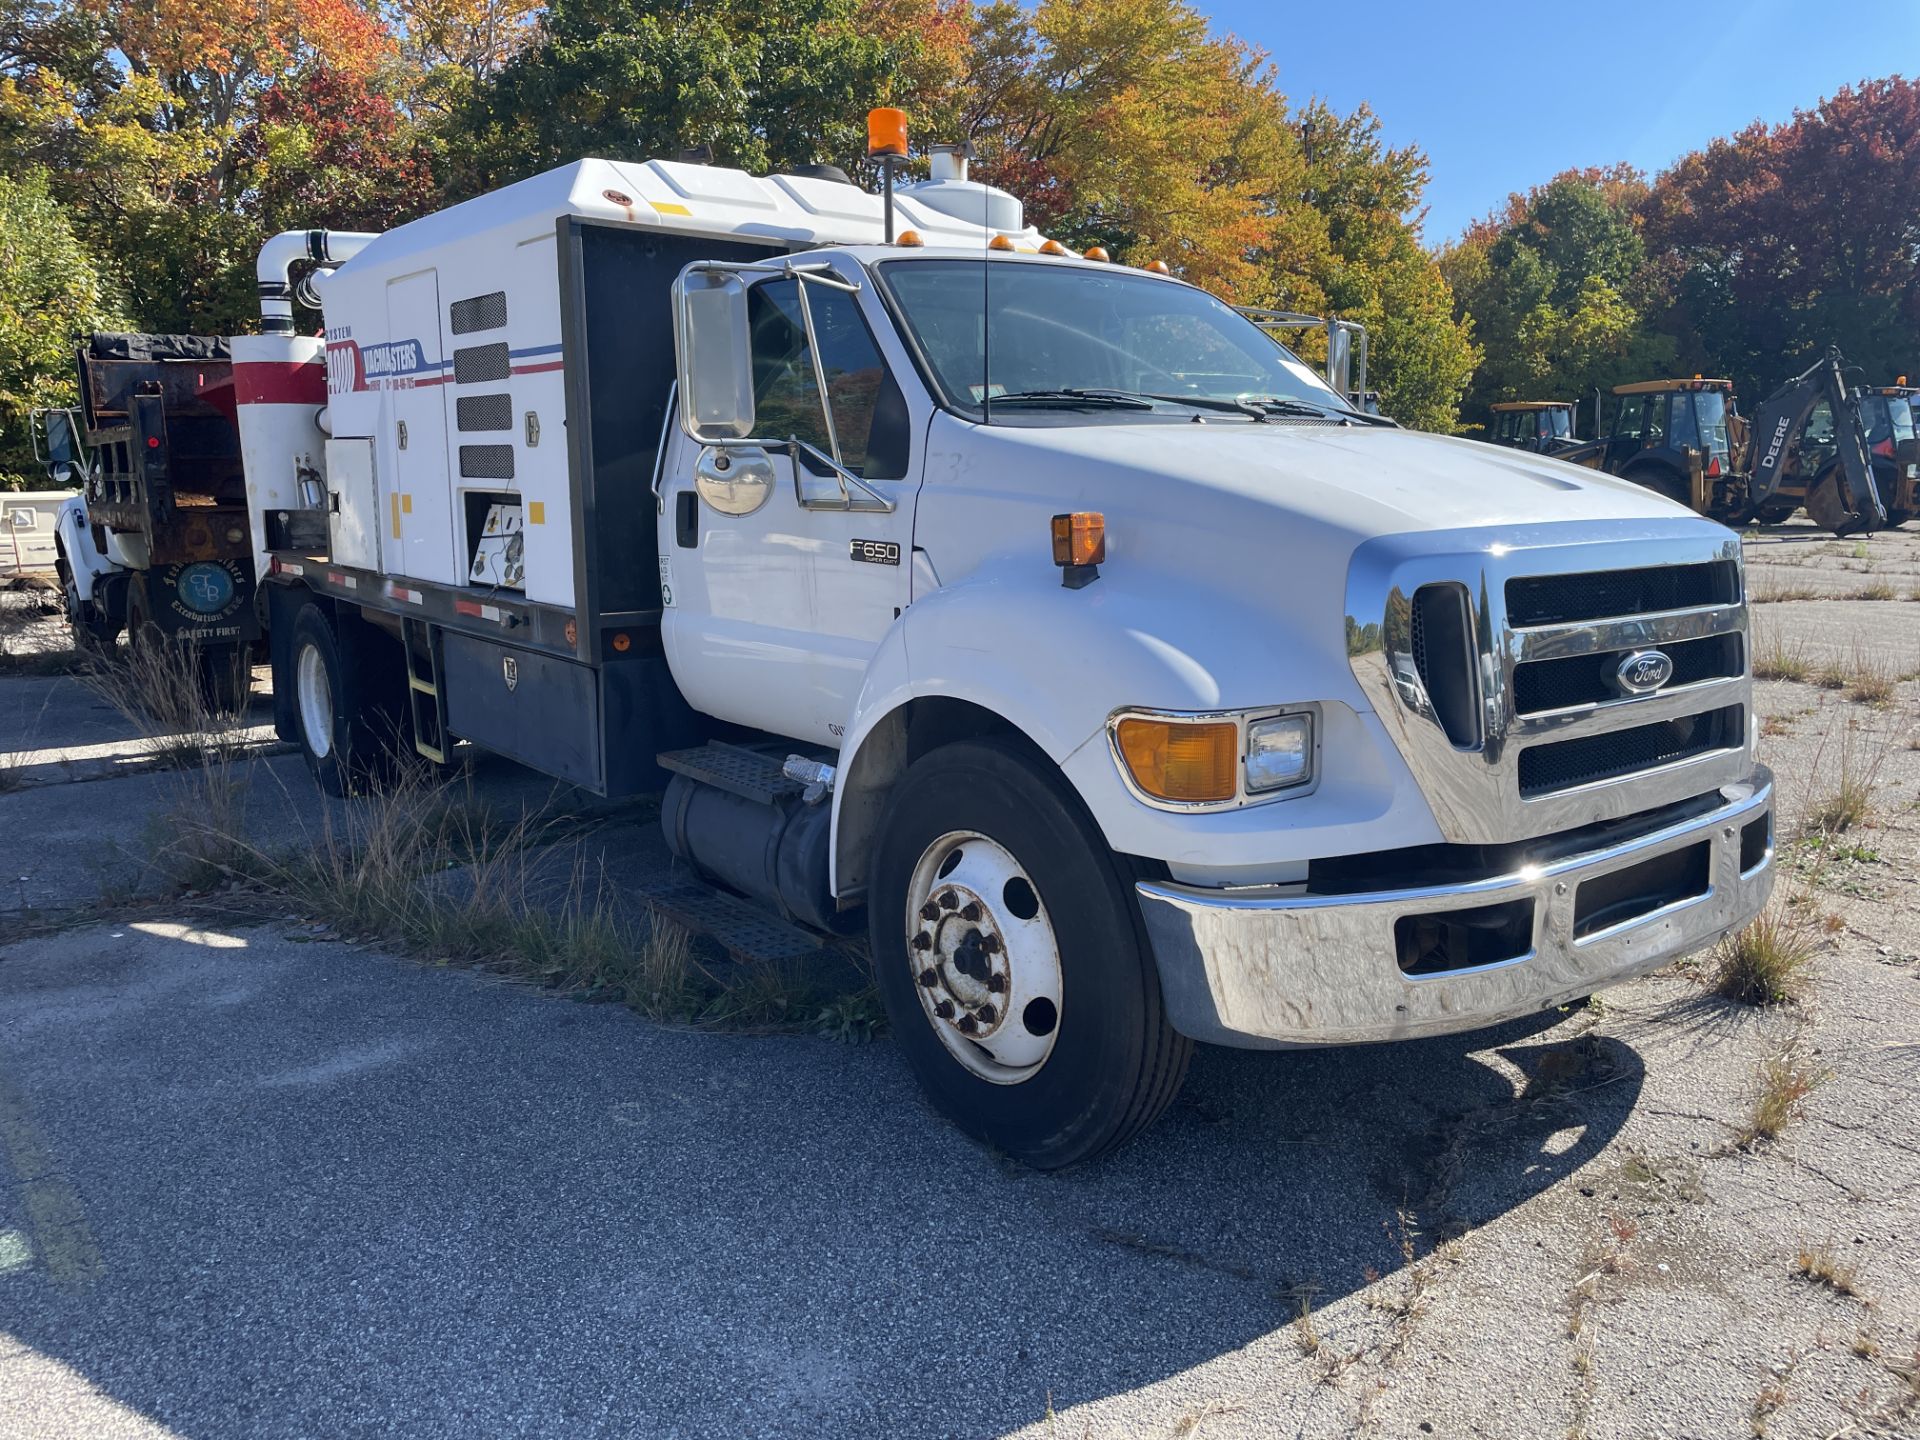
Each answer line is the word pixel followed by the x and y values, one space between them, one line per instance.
pixel 782 577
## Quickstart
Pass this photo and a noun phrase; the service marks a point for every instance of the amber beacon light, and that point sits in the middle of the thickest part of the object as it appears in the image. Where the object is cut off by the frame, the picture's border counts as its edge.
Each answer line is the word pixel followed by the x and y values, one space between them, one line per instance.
pixel 886 131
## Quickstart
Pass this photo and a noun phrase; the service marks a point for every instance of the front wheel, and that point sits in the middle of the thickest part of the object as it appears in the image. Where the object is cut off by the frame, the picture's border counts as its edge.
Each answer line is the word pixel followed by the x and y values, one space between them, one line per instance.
pixel 1012 960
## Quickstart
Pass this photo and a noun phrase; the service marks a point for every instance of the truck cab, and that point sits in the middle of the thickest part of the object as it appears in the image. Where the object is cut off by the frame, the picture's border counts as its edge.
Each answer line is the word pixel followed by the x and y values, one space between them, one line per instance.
pixel 1037 615
pixel 1887 412
pixel 1544 427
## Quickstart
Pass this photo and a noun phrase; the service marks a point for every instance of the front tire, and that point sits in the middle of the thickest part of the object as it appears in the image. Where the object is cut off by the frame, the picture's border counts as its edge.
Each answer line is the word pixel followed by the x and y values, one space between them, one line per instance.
pixel 1011 957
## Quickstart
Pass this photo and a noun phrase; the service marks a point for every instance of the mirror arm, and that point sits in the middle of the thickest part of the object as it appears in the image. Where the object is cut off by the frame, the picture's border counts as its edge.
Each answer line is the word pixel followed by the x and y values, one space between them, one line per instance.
pixel 845 476
pixel 820 380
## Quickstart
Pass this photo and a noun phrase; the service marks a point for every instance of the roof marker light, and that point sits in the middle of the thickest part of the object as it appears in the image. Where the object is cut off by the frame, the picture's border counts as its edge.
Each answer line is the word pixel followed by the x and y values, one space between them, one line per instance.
pixel 1095 252
pixel 909 238
pixel 1000 242
pixel 1052 247
pixel 1157 267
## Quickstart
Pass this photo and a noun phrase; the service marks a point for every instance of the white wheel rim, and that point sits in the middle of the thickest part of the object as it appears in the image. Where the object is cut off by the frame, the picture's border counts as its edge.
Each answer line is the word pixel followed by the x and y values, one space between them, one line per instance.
pixel 316 700
pixel 984 959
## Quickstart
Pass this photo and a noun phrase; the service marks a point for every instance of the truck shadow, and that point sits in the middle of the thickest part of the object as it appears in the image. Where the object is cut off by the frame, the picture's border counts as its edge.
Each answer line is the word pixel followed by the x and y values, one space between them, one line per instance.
pixel 353 1193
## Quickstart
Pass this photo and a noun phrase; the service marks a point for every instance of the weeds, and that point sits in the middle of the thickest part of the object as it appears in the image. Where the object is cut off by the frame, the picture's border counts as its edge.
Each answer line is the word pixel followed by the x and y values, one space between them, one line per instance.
pixel 1877 590
pixel 1767 963
pixel 426 867
pixel 1820 1265
pixel 1781 661
pixel 1781 1087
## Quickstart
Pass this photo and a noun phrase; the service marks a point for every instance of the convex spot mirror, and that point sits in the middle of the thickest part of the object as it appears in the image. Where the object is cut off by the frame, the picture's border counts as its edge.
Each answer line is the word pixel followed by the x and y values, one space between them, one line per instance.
pixel 713 346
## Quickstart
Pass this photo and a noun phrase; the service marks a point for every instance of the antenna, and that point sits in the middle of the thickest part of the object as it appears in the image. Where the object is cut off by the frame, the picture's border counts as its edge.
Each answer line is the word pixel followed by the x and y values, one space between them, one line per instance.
pixel 986 305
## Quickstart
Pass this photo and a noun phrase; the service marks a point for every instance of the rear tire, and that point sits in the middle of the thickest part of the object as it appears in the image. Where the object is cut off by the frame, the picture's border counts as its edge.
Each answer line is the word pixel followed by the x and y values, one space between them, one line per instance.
pixel 346 730
pixel 1041 1030
pixel 1662 481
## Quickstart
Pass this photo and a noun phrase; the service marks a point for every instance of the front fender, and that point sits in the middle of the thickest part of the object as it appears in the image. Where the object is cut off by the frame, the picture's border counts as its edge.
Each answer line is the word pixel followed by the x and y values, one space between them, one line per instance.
pixel 85 562
pixel 1055 663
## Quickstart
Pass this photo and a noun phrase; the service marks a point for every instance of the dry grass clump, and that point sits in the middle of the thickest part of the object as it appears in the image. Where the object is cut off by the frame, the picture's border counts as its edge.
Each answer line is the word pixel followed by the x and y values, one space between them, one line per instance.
pixel 1774 591
pixel 1846 806
pixel 1780 1090
pixel 1768 963
pixel 1779 660
pixel 1874 590
pixel 1819 1264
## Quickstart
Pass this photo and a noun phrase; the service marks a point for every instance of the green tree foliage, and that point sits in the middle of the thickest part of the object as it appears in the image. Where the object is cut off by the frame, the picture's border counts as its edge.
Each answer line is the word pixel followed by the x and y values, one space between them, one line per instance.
pixel 50 293
pixel 766 84
pixel 1560 291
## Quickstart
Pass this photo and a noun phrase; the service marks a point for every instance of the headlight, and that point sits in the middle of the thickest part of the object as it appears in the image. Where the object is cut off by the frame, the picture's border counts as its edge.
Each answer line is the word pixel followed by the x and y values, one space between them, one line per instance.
pixel 1279 752
pixel 1212 760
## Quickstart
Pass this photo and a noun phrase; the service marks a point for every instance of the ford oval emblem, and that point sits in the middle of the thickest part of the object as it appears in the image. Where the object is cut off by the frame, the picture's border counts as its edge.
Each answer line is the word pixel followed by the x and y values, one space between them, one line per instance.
pixel 1644 671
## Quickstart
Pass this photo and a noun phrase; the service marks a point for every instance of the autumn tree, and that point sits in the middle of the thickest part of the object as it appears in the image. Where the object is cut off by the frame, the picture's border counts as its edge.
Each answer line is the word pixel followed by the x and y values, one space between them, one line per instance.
pixel 1786 239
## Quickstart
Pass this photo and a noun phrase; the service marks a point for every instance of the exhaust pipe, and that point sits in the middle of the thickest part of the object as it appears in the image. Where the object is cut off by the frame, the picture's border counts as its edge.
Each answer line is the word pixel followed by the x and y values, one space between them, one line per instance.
pixel 275 267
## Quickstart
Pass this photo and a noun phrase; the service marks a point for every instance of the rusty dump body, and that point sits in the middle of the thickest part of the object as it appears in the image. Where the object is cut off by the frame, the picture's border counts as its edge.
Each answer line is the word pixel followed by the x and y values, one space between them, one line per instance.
pixel 159 417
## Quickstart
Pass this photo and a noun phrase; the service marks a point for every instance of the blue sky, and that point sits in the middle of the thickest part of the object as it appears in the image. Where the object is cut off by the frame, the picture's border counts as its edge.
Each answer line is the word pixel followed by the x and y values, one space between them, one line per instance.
pixel 1504 95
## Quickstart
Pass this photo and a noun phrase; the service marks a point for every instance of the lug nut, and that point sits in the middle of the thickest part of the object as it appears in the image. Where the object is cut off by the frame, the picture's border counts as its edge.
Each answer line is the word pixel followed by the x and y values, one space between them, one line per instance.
pixel 968 1025
pixel 929 911
pixel 948 900
pixel 929 977
pixel 990 944
pixel 996 982
pixel 970 911
pixel 987 1014
pixel 923 941
pixel 944 1009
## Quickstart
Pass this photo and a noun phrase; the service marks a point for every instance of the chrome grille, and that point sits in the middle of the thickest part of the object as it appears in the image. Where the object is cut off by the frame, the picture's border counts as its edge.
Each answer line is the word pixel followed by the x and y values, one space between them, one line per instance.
pixel 1566 764
pixel 1552 614
pixel 1602 595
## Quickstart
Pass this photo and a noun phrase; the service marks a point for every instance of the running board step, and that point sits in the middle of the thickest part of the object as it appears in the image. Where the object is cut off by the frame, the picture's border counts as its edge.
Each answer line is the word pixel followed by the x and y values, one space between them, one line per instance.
pixel 743 929
pixel 750 774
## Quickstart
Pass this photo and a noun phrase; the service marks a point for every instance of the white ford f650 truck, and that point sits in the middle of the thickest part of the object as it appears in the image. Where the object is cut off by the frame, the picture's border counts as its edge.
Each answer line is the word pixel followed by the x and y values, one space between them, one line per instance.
pixel 1041 614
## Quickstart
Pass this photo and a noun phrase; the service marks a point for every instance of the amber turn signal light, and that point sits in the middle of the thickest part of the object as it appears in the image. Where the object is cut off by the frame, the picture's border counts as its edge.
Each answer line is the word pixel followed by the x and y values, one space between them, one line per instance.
pixel 886 131
pixel 1080 538
pixel 1187 761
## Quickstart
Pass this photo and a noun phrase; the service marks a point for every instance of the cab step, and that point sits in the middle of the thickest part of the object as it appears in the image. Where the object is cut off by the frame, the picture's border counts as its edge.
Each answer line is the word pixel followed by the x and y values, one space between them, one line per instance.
pixel 750 774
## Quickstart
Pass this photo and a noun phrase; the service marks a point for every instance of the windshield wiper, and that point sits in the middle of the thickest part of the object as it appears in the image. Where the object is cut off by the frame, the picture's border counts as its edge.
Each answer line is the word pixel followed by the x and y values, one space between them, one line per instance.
pixel 1113 399
pixel 1308 410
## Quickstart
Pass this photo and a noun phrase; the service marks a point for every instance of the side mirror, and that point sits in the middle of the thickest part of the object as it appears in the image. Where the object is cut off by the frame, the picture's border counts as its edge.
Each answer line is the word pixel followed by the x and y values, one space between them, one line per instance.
pixel 713 348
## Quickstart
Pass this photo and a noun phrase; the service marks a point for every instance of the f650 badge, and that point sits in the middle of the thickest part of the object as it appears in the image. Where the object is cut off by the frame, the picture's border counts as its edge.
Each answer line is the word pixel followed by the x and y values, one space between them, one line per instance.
pixel 876 552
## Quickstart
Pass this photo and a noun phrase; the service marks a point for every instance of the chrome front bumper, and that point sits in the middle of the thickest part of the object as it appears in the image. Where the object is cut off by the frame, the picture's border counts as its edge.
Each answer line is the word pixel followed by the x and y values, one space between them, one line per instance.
pixel 1268 967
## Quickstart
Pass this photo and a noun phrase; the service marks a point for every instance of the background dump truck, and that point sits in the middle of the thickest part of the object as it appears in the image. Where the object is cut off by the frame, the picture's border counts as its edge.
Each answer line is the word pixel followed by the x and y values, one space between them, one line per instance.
pixel 156 543
pixel 1040 616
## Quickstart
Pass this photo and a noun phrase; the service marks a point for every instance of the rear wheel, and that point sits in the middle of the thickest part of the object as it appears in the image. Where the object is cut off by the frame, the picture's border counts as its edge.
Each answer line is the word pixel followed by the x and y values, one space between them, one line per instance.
pixel 1010 954
pixel 345 727
pixel 1662 481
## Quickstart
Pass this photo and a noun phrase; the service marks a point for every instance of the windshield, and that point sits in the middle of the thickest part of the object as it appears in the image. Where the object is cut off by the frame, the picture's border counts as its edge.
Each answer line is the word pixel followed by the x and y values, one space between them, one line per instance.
pixel 1901 408
pixel 1561 423
pixel 1711 407
pixel 1001 329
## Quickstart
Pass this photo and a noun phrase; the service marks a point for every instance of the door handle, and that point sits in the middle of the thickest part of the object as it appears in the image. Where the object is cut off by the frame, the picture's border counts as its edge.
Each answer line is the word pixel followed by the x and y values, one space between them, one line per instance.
pixel 686 519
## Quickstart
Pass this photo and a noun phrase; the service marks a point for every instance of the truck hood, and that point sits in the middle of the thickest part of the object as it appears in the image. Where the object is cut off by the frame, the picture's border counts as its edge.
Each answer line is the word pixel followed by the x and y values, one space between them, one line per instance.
pixel 1363 480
